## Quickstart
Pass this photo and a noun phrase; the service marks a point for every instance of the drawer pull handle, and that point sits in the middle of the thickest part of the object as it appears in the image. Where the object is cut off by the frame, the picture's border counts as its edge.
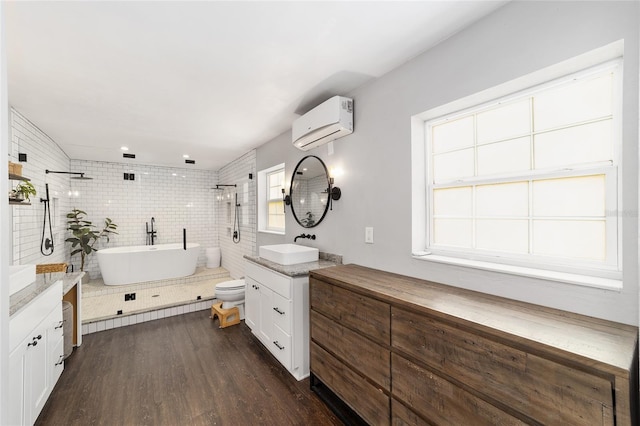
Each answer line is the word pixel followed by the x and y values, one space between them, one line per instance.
pixel 34 343
pixel 278 310
pixel 60 361
pixel 59 325
pixel 38 337
pixel 278 345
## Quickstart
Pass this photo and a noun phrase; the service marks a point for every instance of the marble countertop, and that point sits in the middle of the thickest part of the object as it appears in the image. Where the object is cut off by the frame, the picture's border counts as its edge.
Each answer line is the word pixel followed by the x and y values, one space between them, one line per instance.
pixel 326 260
pixel 22 298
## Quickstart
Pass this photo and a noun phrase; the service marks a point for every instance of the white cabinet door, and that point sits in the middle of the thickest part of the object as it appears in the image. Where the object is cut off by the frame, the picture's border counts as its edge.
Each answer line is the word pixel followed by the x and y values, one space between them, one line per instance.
pixel 266 317
pixel 17 371
pixel 37 374
pixel 252 304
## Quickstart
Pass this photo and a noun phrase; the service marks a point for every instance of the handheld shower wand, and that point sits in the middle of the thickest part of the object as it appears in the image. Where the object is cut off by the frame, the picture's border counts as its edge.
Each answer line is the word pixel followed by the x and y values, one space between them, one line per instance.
pixel 46 244
pixel 236 223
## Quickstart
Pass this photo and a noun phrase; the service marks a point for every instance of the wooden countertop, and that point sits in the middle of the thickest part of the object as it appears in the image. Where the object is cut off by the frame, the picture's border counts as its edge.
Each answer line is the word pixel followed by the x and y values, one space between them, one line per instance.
pixel 606 345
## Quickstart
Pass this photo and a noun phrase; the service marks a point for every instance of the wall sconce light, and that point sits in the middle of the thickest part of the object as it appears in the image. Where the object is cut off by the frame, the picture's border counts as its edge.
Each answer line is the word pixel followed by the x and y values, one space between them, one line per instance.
pixel 335 193
pixel 286 199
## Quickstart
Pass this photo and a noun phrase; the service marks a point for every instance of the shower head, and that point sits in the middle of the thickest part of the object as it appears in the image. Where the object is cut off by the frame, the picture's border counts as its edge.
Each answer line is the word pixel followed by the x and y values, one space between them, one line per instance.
pixel 81 177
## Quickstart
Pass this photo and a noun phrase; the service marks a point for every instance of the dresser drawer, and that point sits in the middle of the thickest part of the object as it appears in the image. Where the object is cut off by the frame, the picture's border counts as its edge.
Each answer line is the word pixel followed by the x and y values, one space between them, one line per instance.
pixel 364 314
pixel 541 389
pixel 365 399
pixel 440 401
pixel 402 416
pixel 363 355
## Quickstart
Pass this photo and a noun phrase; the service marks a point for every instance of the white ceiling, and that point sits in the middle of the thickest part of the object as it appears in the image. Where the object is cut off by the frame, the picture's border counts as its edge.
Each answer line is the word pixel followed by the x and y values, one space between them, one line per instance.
pixel 208 79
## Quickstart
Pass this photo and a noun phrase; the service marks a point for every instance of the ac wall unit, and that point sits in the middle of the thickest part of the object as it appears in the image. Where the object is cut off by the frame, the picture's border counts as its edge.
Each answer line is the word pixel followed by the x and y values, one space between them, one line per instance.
pixel 330 120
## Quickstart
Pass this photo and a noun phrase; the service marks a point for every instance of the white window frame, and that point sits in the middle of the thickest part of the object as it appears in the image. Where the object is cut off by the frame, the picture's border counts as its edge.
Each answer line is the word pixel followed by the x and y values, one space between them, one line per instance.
pixel 603 275
pixel 263 199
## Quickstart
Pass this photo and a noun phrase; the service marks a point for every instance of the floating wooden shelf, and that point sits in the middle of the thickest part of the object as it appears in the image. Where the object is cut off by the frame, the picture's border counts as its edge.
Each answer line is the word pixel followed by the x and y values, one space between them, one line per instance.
pixel 17 177
pixel 18 203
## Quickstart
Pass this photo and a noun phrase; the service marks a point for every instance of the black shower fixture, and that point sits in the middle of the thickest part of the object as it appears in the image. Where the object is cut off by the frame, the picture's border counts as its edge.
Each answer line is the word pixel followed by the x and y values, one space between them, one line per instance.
pixel 81 177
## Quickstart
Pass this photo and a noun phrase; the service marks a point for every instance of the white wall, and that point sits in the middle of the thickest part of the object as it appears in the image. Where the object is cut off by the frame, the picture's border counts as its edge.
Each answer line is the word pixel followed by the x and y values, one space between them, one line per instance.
pixel 237 173
pixel 42 154
pixel 176 198
pixel 516 40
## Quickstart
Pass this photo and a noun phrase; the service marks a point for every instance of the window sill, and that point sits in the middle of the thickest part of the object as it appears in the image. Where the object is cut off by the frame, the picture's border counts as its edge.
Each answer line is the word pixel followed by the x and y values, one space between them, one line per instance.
pixel 562 277
pixel 266 231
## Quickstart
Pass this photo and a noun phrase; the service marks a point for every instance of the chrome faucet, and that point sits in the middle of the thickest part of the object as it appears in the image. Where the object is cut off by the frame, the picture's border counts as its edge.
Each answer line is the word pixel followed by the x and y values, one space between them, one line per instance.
pixel 303 235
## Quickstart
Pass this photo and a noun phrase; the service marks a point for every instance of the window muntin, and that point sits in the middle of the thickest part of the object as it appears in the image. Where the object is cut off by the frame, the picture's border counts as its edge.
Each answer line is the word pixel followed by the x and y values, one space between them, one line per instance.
pixel 531 179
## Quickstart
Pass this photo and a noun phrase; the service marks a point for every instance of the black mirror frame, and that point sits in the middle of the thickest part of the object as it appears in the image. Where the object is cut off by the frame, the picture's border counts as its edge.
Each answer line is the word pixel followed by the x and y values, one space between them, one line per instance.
pixel 329 192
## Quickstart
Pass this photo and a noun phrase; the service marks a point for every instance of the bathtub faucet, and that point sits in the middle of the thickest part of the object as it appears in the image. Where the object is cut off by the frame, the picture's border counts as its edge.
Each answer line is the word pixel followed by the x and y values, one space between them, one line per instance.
pixel 151 234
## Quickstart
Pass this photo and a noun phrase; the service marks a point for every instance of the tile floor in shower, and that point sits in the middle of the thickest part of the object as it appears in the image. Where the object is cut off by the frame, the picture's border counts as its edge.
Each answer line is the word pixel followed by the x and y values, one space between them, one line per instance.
pixel 104 307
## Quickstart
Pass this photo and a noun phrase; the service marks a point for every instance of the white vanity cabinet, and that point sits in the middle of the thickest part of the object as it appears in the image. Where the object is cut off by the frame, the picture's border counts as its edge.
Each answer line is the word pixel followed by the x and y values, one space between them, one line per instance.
pixel 277 311
pixel 36 355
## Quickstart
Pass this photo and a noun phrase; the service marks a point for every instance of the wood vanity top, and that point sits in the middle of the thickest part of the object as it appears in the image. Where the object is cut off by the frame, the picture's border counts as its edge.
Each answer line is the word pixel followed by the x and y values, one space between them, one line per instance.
pixel 606 346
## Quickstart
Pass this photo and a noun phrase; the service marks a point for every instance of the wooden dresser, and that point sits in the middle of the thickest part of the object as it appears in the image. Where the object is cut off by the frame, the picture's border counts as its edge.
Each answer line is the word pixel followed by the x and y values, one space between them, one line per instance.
pixel 399 350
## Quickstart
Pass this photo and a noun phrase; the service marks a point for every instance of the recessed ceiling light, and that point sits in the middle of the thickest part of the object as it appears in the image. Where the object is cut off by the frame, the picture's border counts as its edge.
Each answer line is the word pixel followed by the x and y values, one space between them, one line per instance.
pixel 124 148
pixel 185 156
pixel 174 174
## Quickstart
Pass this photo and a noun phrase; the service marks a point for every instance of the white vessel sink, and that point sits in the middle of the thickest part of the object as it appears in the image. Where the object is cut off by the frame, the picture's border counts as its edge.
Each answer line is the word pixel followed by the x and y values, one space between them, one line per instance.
pixel 21 276
pixel 288 254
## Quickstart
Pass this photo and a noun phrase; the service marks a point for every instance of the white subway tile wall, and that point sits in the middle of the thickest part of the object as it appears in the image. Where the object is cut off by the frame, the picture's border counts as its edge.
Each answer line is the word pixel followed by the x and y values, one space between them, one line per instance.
pixel 176 198
pixel 237 172
pixel 42 154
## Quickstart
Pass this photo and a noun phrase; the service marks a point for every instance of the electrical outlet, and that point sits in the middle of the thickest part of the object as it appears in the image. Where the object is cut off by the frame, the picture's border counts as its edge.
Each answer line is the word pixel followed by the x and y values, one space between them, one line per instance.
pixel 119 312
pixel 133 296
pixel 127 297
pixel 368 235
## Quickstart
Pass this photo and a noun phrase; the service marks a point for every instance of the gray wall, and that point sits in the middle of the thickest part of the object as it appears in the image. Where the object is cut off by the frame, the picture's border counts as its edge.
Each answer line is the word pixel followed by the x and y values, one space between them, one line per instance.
pixel 516 40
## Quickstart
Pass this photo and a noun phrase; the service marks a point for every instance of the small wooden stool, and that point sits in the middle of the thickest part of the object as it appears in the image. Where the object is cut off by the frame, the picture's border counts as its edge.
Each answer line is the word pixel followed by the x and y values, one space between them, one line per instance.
pixel 227 317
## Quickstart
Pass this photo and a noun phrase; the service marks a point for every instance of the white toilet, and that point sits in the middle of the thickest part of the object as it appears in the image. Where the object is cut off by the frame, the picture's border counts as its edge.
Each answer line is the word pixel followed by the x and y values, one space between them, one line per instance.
pixel 231 293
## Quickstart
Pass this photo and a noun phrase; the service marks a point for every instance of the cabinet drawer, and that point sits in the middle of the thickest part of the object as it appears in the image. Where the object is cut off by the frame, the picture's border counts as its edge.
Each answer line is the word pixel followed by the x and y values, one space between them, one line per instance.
pixel 53 323
pixel 366 315
pixel 365 399
pixel 281 310
pixel 541 389
pixel 440 401
pixel 363 355
pixel 276 282
pixel 56 361
pixel 280 346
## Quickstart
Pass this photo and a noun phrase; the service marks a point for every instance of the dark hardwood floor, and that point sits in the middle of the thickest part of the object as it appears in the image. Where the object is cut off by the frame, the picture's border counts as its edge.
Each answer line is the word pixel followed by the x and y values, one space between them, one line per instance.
pixel 181 370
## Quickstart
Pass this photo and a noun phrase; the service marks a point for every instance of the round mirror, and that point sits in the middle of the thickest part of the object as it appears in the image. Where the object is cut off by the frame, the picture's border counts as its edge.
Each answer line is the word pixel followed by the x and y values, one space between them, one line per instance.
pixel 309 191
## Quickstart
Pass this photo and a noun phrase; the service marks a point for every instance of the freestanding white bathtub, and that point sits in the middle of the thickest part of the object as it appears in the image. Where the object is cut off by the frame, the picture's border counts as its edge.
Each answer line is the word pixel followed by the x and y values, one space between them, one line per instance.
pixel 135 264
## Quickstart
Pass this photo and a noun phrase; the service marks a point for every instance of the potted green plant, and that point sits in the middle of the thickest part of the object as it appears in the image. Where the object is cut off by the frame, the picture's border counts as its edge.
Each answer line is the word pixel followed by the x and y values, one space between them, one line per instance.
pixel 85 234
pixel 23 191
